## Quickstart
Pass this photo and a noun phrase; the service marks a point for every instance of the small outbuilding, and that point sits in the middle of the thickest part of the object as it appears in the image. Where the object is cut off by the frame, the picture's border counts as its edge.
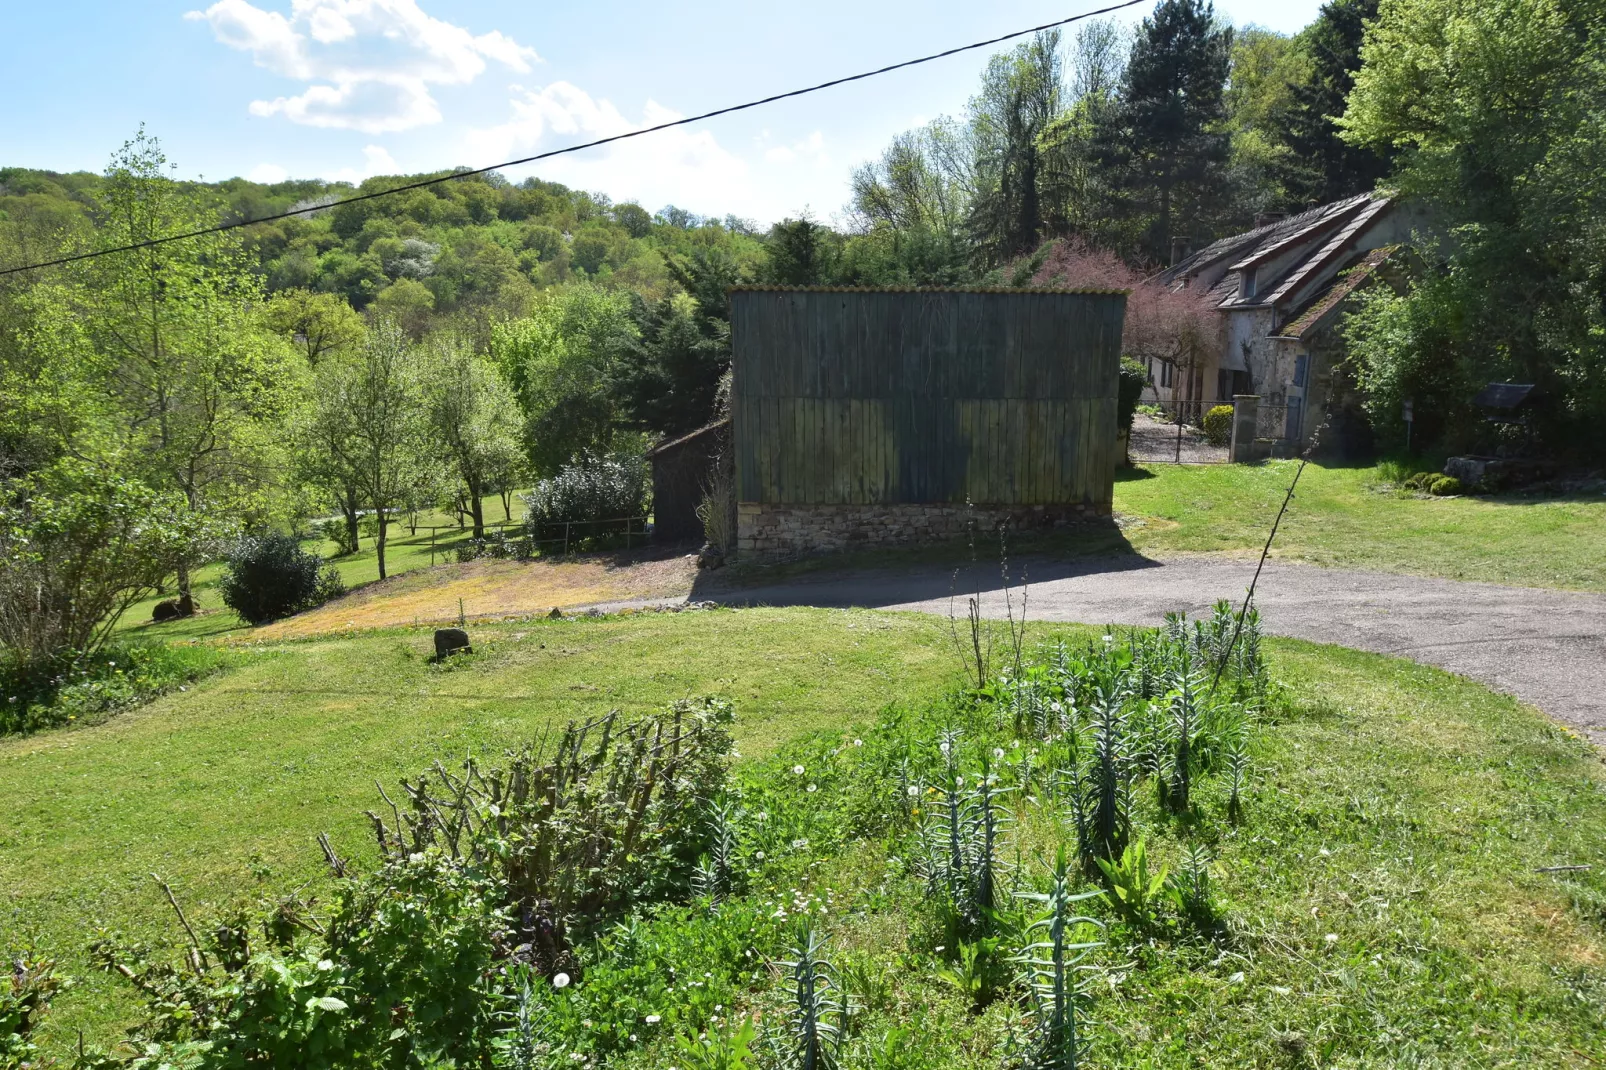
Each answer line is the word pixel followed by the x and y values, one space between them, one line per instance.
pixel 875 416
pixel 682 471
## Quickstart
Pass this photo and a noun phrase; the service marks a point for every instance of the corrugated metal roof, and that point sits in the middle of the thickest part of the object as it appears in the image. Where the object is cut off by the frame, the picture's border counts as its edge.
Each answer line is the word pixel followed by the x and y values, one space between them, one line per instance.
pixel 760 288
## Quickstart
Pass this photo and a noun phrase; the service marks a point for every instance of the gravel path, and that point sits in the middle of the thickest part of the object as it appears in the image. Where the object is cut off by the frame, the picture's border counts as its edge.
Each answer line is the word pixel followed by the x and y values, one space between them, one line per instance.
pixel 1545 647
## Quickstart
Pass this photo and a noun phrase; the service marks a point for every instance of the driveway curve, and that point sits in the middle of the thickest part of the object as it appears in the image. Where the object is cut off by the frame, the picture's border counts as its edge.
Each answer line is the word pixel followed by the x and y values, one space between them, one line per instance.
pixel 1546 647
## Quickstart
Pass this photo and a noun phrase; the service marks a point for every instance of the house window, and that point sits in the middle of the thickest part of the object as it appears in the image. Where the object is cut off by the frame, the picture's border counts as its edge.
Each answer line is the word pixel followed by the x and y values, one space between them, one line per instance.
pixel 1165 373
pixel 1301 363
pixel 1223 384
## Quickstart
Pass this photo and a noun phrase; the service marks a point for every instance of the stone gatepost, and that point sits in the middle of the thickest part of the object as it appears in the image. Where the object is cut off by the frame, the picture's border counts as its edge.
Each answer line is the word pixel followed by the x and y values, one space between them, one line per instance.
pixel 1245 420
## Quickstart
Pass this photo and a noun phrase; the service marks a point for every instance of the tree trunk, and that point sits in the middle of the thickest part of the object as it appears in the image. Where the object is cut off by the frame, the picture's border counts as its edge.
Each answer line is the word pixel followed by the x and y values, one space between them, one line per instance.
pixel 186 601
pixel 353 527
pixel 507 505
pixel 477 510
pixel 379 543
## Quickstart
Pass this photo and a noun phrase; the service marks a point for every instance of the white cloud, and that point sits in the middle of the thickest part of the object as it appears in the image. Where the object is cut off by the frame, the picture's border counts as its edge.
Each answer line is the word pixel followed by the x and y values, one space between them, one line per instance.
pixel 369 64
pixel 810 149
pixel 376 161
pixel 267 174
pixel 682 165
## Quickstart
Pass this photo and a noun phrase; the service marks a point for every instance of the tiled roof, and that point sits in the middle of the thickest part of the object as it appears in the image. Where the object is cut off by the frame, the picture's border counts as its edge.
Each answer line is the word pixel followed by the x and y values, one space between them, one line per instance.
pixel 1247 243
pixel 757 288
pixel 1318 310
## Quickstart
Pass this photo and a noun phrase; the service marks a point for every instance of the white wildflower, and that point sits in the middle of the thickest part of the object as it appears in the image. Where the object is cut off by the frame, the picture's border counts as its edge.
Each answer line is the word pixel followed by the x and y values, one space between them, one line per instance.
pixel 560 980
pixel 797 770
pixel 653 1019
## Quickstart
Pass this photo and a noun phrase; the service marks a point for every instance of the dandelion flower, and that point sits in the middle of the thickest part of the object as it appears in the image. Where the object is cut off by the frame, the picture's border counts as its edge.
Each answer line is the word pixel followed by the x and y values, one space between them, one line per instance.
pixel 913 791
pixel 811 789
pixel 998 752
pixel 653 1019
pixel 797 770
pixel 1331 938
pixel 944 747
pixel 858 743
pixel 560 980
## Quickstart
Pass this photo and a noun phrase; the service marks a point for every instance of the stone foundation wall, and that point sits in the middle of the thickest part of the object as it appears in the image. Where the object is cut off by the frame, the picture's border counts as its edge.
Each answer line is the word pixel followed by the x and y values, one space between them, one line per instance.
pixel 779 531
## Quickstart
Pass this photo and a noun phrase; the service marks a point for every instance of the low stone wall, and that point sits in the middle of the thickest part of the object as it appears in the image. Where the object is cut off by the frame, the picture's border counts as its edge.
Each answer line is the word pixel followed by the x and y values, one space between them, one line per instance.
pixel 779 531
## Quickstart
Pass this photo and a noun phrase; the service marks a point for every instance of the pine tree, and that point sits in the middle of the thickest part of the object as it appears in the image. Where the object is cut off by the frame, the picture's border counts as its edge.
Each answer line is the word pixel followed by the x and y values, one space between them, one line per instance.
pixel 1320 166
pixel 1164 144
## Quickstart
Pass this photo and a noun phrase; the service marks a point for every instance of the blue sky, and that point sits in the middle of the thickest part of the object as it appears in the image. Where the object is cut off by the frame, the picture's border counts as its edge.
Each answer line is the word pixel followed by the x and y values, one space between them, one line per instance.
pixel 349 88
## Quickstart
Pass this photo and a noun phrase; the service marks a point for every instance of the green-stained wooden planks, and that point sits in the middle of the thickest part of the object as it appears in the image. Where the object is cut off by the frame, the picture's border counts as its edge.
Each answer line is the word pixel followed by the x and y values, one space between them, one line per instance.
pixel 858 397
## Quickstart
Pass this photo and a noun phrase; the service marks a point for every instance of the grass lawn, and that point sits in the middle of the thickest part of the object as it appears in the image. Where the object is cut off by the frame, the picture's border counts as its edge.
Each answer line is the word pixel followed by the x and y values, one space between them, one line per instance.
pixel 1338 519
pixel 1382 892
pixel 404 552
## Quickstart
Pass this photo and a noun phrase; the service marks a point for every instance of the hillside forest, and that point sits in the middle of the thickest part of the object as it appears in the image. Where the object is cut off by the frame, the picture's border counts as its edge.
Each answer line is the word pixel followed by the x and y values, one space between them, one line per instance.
pixel 481 334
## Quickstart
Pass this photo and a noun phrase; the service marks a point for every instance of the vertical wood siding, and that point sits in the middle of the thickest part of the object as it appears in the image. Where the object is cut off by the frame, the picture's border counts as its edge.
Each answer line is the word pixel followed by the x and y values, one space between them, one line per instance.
pixel 860 397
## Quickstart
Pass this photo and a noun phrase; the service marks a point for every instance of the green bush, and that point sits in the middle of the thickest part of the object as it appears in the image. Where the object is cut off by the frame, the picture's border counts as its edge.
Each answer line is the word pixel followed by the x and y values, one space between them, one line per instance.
pixel 266 577
pixel 1446 485
pixel 79 689
pixel 337 531
pixel 27 984
pixel 1218 425
pixel 1134 377
pixel 588 500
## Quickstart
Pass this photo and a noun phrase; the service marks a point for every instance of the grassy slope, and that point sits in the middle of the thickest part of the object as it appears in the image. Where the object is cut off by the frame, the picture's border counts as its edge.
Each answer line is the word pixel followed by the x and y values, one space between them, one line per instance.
pixel 253 764
pixel 403 553
pixel 1434 798
pixel 1338 520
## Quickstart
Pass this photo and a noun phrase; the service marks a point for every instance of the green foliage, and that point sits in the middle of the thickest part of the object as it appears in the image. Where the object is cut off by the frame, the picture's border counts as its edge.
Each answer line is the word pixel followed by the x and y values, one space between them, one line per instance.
pixel 87 688
pixel 1129 391
pixel 1162 144
pixel 28 982
pixel 396 974
pixel 1218 425
pixel 1052 963
pixel 1021 93
pixel 1318 165
pixel 1135 893
pixel 720 1049
pixel 79 544
pixel 1495 112
pixel 815 1014
pixel 560 360
pixel 269 576
pixel 668 380
pixel 1190 892
pixel 1444 486
pixel 590 492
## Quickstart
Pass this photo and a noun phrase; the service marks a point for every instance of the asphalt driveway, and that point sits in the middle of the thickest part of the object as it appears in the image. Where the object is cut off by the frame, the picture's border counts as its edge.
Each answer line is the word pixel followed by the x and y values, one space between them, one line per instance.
pixel 1546 647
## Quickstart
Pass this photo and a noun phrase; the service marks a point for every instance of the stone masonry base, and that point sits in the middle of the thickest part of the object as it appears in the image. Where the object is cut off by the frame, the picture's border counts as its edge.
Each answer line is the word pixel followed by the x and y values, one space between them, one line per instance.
pixel 779 531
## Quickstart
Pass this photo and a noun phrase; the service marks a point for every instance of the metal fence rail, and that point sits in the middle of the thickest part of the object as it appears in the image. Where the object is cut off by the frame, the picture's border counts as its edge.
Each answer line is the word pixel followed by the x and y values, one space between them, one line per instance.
pixel 1177 437
pixel 565 534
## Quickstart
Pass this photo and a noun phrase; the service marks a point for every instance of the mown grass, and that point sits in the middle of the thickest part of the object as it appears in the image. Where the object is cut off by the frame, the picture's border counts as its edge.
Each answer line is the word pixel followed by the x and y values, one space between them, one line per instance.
pixel 1402 810
pixel 1344 517
pixel 225 786
pixel 404 552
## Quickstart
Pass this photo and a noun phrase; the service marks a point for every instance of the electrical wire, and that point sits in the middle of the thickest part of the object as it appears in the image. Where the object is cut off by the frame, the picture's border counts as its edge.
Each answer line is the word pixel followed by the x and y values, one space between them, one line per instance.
pixel 425 183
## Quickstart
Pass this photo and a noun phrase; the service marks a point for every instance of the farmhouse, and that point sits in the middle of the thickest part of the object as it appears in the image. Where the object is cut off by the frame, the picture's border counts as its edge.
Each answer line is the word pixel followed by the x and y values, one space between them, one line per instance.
pixel 864 417
pixel 1281 289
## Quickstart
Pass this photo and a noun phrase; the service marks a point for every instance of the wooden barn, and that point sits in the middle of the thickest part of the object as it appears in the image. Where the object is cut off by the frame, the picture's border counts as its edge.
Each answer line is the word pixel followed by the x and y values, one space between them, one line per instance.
pixel 873 416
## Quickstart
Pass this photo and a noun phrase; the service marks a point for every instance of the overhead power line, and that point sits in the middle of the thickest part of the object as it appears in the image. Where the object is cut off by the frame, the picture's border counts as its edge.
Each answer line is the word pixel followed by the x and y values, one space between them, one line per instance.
pixel 427 182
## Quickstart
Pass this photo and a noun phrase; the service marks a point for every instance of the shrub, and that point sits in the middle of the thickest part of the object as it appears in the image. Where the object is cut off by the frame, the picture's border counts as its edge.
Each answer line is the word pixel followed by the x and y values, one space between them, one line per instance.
pixel 270 576
pixel 78 546
pixel 1445 485
pixel 1218 425
pixel 27 984
pixel 586 495
pixel 82 689
pixel 337 531
pixel 1134 377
